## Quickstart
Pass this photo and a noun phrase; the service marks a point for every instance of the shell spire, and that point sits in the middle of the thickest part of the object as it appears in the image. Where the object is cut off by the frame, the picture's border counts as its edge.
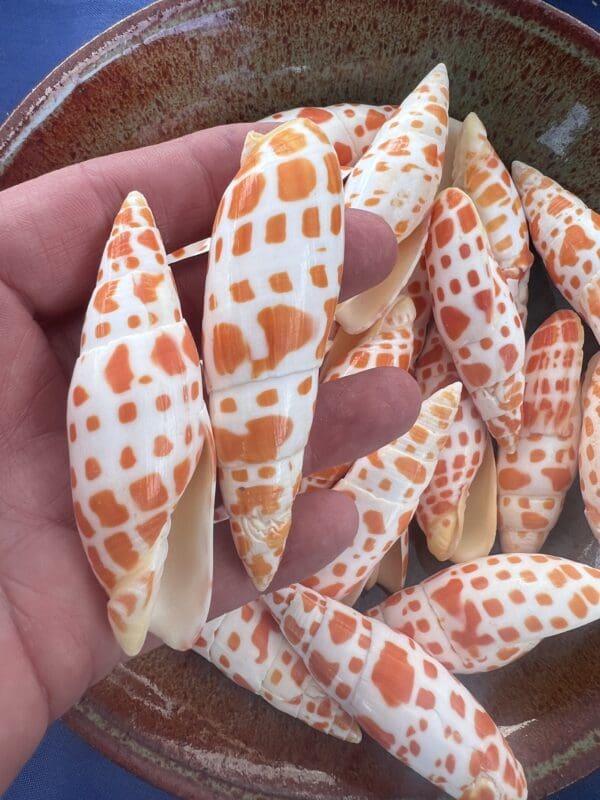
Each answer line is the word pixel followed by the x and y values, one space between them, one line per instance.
pixel 476 315
pixel 139 435
pixel 247 646
pixel 272 286
pixel 401 697
pixel 482 615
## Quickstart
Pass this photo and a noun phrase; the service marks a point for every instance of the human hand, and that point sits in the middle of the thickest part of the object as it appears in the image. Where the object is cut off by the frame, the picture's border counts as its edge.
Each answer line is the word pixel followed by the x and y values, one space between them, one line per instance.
pixel 54 636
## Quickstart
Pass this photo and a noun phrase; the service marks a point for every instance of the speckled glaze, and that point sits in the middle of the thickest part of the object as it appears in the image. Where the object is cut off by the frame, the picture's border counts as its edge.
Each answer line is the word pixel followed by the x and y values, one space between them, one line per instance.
pixel 532 75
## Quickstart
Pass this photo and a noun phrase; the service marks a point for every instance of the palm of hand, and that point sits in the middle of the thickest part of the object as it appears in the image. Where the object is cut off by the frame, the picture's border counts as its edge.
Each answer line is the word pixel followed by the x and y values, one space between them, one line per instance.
pixel 53 626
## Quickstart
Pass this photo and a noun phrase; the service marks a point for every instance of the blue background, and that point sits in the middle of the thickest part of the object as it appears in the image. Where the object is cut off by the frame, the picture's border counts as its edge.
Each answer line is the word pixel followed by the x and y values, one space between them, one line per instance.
pixel 64 767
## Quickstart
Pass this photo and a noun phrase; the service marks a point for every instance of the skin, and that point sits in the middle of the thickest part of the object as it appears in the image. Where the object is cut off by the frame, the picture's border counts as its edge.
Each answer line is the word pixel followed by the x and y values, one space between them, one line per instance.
pixel 53 627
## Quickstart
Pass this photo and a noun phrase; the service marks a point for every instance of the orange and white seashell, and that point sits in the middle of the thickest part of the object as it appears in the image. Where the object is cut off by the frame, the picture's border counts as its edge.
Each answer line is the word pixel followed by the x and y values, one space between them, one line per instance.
pixel 566 234
pixel 350 127
pixel 534 479
pixel 397 178
pixel 457 510
pixel 482 615
pixel 479 172
pixel 388 343
pixel 589 448
pixel 401 697
pixel 386 486
pixel 140 444
pixel 272 285
pixel 476 315
pixel 248 647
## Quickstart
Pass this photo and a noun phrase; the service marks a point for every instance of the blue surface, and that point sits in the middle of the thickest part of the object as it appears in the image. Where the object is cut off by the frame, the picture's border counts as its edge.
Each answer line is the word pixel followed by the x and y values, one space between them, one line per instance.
pixel 64 767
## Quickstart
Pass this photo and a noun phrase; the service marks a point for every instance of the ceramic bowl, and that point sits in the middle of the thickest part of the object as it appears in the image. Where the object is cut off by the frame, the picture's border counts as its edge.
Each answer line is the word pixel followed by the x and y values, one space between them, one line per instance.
pixel 533 75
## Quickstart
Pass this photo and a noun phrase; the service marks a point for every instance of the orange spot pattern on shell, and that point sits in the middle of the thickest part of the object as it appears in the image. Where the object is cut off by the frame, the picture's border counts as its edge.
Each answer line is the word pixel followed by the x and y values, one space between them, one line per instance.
pixel 296 179
pixel 260 444
pixel 118 372
pixel 149 492
pixel 286 329
pixel 245 195
pixel 108 510
pixel 393 675
pixel 145 287
pixel 230 349
pixel 166 355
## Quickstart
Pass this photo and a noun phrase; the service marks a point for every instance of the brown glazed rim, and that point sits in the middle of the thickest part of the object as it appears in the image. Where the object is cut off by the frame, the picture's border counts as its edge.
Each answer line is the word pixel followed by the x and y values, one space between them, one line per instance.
pixel 153 20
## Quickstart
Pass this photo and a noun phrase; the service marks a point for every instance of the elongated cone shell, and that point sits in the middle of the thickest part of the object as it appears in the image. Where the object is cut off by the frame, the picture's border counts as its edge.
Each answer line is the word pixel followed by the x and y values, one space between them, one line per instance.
pixel 475 314
pixel 271 290
pixel 534 480
pixel 247 646
pixel 442 504
pixel 401 697
pixel 566 234
pixel 589 448
pixel 388 343
pixel 386 486
pixel 398 178
pixel 417 289
pixel 479 172
pixel 350 127
pixel 138 425
pixel 484 614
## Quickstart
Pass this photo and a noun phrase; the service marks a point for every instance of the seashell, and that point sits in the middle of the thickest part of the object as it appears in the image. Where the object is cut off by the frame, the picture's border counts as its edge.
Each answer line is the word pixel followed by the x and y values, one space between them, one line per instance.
pixel 350 127
pixel 401 697
pixel 398 178
pixel 566 234
pixel 589 447
pixel 271 290
pixel 479 172
pixel 388 343
pixel 140 443
pixel 457 510
pixel 386 486
pixel 247 646
pixel 534 480
pixel 482 615
pixel 475 314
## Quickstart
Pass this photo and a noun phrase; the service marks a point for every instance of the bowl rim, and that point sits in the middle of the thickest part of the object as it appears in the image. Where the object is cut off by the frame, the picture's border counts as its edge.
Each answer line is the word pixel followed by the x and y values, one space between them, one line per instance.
pixel 152 21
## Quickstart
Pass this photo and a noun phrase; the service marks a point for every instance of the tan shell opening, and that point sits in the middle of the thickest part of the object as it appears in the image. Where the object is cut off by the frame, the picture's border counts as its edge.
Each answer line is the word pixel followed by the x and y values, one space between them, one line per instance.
pixel 479 512
pixel 358 313
pixel 186 585
pixel 391 569
pixel 454 129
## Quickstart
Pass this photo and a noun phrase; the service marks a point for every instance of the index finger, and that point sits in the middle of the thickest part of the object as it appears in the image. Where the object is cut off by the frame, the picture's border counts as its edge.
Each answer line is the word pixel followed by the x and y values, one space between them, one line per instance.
pixel 53 228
